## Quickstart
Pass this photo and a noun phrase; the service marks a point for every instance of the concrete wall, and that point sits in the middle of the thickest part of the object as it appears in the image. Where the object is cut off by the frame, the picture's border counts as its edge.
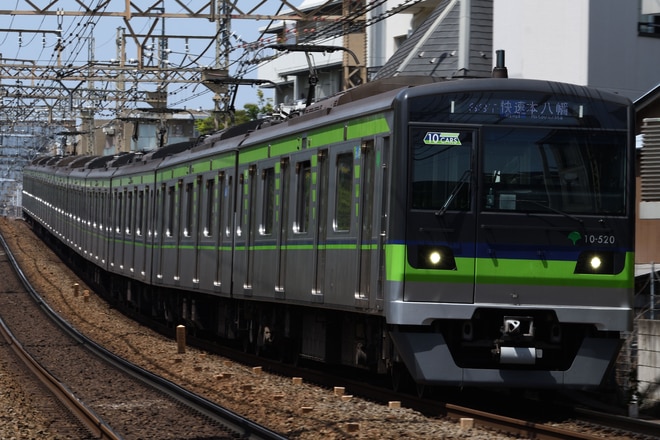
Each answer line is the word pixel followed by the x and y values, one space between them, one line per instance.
pixel 587 42
pixel 543 40
pixel 648 361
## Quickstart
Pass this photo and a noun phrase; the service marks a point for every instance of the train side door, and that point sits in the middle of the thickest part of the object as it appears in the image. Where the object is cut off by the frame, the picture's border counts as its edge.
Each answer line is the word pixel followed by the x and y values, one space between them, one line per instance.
pixel 283 232
pixel 226 225
pixel 366 224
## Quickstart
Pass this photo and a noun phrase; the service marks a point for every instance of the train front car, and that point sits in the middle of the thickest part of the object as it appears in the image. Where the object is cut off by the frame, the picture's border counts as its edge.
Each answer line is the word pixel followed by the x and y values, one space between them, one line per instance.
pixel 510 255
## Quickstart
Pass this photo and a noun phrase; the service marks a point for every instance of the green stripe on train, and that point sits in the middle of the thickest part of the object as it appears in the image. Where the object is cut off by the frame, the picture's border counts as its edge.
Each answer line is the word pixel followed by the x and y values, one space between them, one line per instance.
pixel 505 271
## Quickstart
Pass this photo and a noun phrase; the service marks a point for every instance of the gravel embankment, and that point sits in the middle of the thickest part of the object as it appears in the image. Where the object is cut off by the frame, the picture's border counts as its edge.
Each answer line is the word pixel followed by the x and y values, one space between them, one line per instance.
pixel 299 411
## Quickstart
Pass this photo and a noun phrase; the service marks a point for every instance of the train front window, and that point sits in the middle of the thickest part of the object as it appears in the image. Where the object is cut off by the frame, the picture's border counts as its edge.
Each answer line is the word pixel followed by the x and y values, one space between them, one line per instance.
pixel 553 170
pixel 441 161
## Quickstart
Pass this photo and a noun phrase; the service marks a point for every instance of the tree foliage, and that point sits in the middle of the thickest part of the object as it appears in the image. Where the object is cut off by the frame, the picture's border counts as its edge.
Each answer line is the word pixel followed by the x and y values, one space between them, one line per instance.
pixel 250 112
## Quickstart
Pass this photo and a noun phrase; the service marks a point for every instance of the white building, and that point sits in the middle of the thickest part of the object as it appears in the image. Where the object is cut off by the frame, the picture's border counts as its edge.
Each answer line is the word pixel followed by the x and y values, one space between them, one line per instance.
pixel 384 34
pixel 610 44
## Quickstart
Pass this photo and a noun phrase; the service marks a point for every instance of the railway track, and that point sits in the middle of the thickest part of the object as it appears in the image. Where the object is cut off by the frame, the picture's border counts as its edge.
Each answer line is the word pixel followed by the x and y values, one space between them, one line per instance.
pixel 88 425
pixel 494 411
pixel 499 424
pixel 110 396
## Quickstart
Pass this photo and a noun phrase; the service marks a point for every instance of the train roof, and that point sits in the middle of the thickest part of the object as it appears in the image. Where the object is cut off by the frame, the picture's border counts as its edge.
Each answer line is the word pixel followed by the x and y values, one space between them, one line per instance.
pixel 517 85
pixel 366 99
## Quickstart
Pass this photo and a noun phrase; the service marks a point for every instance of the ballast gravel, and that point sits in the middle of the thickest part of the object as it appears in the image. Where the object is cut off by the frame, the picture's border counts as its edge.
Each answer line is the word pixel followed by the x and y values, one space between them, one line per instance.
pixel 296 410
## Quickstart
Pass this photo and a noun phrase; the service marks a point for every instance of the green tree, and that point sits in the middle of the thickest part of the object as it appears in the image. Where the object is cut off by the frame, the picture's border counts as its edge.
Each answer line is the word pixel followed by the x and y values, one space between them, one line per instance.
pixel 251 112
pixel 262 107
pixel 208 125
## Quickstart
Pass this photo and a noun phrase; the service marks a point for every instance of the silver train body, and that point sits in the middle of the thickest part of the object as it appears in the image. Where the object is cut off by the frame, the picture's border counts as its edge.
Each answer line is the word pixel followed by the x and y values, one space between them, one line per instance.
pixel 434 230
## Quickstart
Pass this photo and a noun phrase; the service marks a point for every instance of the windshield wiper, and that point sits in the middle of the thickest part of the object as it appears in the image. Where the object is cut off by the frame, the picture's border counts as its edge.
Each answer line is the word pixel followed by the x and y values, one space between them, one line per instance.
pixel 454 192
pixel 551 209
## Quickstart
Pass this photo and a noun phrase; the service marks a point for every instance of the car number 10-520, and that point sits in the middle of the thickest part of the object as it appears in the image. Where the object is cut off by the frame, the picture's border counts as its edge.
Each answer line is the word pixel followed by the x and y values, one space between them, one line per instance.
pixel 599 239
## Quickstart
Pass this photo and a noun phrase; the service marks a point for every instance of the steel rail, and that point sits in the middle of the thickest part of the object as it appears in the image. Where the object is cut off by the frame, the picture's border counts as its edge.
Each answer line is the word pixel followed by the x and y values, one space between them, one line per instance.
pixel 84 414
pixel 212 410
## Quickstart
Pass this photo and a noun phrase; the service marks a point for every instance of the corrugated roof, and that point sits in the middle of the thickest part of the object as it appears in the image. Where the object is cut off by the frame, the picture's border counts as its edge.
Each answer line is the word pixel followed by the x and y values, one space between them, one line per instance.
pixel 435 47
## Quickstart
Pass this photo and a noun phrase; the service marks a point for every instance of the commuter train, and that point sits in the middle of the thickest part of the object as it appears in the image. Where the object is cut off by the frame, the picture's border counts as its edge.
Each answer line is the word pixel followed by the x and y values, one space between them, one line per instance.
pixel 472 232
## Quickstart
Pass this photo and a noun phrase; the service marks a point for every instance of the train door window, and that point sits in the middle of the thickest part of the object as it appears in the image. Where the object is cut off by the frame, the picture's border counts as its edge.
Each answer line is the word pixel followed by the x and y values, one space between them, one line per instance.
pixel 118 212
pixel 140 214
pixel 129 213
pixel 100 204
pixel 158 224
pixel 268 207
pixel 94 208
pixel 241 204
pixel 441 163
pixel 210 206
pixel 228 193
pixel 189 209
pixel 304 189
pixel 197 198
pixel 100 215
pixel 344 192
pixel 171 197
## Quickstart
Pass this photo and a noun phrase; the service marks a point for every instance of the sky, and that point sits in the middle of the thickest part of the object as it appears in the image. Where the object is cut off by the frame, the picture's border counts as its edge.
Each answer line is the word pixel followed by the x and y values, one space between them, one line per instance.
pixel 27 39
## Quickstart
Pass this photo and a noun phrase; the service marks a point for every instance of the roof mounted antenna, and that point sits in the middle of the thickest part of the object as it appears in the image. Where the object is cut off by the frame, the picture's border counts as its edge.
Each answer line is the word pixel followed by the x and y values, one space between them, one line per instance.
pixel 500 70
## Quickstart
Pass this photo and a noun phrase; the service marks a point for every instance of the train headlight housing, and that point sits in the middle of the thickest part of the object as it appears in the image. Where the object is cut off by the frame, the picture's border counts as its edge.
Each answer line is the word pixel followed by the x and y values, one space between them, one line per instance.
pixel 432 257
pixel 599 262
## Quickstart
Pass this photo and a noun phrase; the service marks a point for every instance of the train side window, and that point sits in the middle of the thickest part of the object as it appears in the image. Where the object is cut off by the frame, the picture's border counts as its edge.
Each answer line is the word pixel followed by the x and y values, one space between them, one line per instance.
pixel 210 206
pixel 343 190
pixel 268 206
pixel 304 188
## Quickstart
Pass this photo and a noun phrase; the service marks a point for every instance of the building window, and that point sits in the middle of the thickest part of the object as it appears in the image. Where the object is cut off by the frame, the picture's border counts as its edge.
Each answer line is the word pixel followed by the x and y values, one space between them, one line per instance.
pixel 649 19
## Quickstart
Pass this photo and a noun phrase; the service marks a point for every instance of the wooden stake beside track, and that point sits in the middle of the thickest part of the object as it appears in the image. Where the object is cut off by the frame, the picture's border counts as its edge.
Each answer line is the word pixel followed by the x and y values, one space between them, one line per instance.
pixel 181 338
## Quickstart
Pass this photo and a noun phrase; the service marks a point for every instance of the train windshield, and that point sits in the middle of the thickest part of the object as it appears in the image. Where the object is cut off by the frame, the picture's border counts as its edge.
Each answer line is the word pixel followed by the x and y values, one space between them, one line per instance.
pixel 541 170
pixel 553 170
pixel 441 169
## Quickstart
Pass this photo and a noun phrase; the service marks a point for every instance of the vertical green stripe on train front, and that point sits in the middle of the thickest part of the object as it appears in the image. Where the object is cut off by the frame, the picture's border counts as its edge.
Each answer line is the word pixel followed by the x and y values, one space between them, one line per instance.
pixel 395 262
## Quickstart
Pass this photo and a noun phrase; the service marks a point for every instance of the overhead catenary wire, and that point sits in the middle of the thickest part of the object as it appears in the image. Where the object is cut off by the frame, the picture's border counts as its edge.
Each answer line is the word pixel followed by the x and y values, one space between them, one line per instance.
pixel 76 32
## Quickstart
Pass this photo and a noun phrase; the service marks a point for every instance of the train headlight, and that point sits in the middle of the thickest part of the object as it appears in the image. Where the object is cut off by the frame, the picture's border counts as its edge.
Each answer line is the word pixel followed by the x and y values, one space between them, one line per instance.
pixel 435 258
pixel 431 257
pixel 599 262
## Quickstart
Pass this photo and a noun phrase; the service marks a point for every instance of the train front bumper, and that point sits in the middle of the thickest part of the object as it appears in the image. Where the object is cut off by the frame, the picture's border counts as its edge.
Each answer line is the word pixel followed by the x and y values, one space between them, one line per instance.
pixel 430 362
